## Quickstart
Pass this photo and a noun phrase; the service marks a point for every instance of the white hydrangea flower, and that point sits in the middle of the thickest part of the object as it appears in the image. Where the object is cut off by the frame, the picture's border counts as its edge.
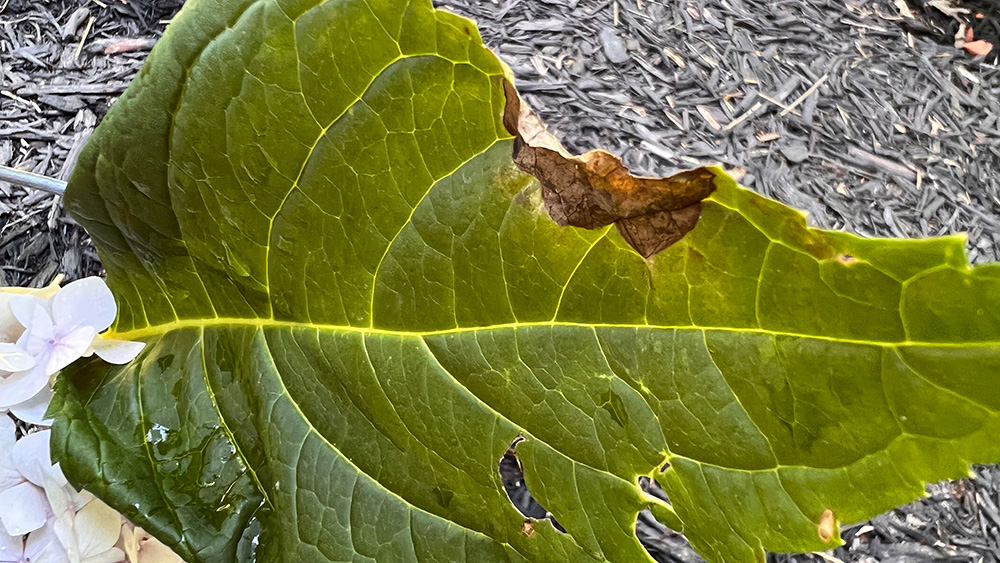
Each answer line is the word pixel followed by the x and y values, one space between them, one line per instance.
pixel 56 332
pixel 10 328
pixel 87 534
pixel 33 410
pixel 69 326
pixel 43 519
pixel 13 359
pixel 24 467
pixel 41 546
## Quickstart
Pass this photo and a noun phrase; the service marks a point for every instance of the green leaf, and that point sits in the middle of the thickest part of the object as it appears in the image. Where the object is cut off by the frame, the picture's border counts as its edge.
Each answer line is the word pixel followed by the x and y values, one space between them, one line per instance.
pixel 354 303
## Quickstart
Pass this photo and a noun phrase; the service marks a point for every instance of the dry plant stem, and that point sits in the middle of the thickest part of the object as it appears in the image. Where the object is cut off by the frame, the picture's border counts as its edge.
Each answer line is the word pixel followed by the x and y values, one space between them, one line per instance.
pixel 33 181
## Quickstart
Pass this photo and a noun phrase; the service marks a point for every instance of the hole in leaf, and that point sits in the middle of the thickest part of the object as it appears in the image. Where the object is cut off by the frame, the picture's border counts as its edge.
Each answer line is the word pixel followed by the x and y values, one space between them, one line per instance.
pixel 661 542
pixel 512 477
pixel 652 488
pixel 846 259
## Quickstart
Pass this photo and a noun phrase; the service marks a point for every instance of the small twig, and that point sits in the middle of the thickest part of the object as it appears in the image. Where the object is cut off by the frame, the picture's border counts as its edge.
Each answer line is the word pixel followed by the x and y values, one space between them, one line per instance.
pixel 869 160
pixel 743 117
pixel 803 97
pixel 97 89
pixel 83 38
pixel 32 181
pixel 778 103
pixel 19 99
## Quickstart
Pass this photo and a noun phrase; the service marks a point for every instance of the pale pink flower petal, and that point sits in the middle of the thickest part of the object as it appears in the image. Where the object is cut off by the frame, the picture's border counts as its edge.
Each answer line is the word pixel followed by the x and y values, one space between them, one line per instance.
pixel 97 527
pixel 13 358
pixel 11 547
pixel 23 307
pixel 113 555
pixel 9 475
pixel 43 546
pixel 54 346
pixel 23 509
pixel 32 411
pixel 117 351
pixel 63 512
pixel 60 501
pixel 89 535
pixel 78 498
pixel 39 334
pixel 32 457
pixel 10 327
pixel 86 302
pixel 129 540
pixel 18 387
pixel 154 551
pixel 140 547
pixel 69 348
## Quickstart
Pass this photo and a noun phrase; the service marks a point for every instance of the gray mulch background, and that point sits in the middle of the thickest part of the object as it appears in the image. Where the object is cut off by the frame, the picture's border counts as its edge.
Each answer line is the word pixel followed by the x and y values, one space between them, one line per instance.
pixel 859 111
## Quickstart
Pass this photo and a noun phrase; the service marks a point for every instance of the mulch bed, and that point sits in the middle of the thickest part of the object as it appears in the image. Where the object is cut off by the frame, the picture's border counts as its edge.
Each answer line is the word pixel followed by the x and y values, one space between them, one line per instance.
pixel 871 120
pixel 56 82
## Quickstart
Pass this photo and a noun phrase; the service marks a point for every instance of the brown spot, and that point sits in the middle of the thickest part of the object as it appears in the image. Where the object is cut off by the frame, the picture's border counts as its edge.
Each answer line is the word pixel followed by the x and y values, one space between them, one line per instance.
pixel 826 524
pixel 651 234
pixel 846 259
pixel 528 528
pixel 595 189
pixel 522 198
pixel 815 245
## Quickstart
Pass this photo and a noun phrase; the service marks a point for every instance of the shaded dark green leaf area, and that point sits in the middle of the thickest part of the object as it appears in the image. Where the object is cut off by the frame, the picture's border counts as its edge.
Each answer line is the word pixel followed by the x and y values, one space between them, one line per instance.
pixel 354 303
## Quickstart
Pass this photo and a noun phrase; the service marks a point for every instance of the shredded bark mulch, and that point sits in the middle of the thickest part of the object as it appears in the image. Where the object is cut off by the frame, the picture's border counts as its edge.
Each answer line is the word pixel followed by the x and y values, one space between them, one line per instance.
pixel 61 65
pixel 864 113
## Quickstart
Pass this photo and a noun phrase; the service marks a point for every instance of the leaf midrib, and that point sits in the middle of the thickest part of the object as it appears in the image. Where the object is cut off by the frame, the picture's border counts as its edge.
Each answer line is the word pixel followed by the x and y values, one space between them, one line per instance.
pixel 153 331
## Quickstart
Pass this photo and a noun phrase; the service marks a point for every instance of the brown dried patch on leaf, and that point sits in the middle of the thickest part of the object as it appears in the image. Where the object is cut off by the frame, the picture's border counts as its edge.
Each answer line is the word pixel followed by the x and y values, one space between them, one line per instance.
pixel 654 233
pixel 595 189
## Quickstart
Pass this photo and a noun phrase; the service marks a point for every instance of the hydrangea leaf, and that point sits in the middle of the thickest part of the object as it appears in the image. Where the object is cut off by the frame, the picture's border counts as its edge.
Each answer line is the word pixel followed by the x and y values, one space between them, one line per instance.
pixel 354 303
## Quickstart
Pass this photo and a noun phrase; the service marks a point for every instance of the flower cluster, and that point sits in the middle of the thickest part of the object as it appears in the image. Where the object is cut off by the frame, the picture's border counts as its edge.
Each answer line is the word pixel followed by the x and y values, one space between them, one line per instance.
pixel 43 519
